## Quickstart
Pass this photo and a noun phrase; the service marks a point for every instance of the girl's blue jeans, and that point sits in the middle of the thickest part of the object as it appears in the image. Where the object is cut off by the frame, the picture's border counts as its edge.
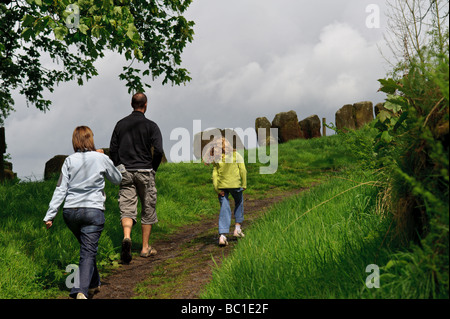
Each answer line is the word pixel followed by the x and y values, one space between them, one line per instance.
pixel 225 209
pixel 87 225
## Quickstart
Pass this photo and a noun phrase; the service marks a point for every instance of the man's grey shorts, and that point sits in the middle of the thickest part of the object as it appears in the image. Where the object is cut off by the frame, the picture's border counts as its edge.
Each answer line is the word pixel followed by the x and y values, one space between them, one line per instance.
pixel 142 184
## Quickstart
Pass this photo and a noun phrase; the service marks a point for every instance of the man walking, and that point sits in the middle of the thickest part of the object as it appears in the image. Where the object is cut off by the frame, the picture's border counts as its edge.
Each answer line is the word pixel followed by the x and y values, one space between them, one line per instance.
pixel 131 146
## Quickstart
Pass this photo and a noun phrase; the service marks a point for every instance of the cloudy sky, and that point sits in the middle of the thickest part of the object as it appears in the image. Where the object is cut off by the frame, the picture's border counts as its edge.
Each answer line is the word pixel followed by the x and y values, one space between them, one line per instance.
pixel 249 58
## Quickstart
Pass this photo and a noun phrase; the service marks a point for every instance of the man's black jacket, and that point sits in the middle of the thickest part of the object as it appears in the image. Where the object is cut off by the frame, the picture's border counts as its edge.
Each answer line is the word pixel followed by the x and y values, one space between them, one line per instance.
pixel 132 141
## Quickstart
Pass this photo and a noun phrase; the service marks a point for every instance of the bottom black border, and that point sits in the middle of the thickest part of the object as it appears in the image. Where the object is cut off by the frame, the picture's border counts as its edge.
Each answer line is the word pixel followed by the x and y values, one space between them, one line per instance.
pixel 235 308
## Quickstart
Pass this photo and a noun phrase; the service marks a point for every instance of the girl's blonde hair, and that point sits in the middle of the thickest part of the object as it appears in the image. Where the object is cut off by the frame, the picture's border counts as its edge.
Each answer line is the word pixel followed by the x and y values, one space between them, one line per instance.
pixel 212 154
pixel 83 139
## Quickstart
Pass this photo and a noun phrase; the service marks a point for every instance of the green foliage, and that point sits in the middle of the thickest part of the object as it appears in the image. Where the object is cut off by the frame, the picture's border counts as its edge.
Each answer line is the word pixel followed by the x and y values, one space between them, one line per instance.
pixel 413 141
pixel 421 272
pixel 413 151
pixel 151 32
pixel 359 143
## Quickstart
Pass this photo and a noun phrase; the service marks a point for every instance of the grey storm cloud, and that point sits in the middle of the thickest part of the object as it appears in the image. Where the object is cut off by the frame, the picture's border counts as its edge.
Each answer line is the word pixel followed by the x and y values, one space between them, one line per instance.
pixel 248 59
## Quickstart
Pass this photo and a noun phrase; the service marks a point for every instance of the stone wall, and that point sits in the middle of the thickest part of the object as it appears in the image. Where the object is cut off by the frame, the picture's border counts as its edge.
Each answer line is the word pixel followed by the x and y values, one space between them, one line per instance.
pixel 348 117
pixel 289 127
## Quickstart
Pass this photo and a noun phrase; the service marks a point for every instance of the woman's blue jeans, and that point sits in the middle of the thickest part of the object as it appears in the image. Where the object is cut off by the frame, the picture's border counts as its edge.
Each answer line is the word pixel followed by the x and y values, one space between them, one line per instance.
pixel 225 209
pixel 87 225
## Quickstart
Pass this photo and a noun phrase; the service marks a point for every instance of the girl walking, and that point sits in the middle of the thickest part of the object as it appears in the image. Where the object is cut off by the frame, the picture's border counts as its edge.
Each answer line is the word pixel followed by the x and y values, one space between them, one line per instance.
pixel 81 185
pixel 229 178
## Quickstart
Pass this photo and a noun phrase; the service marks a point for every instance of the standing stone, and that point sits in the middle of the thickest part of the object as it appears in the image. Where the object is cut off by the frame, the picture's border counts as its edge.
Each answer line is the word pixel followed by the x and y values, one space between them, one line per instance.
pixel 287 125
pixel 264 123
pixel 8 165
pixel 310 127
pixel 53 166
pixel 344 118
pixel 230 134
pixel 378 108
pixel 363 113
pixel 8 171
pixel 9 174
pixel 351 117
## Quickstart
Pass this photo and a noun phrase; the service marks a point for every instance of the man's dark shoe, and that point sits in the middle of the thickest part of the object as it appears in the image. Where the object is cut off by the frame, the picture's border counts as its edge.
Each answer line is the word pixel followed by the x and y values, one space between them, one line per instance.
pixel 125 255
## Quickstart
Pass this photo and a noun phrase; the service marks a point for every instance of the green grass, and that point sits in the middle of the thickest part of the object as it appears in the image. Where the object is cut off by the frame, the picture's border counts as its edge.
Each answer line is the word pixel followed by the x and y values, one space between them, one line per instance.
pixel 31 254
pixel 318 244
pixel 33 259
pixel 314 245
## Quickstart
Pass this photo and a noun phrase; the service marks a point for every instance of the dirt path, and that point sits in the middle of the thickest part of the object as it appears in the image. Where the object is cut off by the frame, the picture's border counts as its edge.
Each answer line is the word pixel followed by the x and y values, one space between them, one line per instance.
pixel 184 263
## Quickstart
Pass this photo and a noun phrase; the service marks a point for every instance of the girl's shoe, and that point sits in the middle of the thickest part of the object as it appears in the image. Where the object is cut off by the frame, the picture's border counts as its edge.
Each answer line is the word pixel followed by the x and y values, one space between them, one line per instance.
pixel 81 295
pixel 238 233
pixel 223 241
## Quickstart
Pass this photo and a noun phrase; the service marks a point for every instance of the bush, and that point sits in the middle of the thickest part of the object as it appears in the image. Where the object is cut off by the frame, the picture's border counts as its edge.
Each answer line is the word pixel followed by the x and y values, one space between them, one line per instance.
pixel 413 150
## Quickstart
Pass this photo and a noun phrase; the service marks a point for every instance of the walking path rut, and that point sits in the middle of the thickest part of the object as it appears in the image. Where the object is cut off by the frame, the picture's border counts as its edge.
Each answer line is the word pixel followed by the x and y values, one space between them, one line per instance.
pixel 184 262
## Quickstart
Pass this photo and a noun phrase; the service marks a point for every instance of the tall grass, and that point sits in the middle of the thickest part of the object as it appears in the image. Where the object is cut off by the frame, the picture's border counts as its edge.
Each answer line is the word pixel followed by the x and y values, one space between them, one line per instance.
pixel 309 246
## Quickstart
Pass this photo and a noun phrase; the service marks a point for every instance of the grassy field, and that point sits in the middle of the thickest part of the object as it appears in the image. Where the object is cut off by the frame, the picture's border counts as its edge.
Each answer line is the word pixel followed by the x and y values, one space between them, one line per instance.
pixel 33 260
pixel 314 245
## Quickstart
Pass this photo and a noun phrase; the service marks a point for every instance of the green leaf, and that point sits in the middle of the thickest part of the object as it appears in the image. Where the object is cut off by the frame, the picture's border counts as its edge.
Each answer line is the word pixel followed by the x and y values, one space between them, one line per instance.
pixel 28 21
pixel 394 103
pixel 388 86
pixel 393 120
pixel 386 137
pixel 83 28
pixel 383 115
pixel 118 11
pixel 138 54
pixel 402 118
pixel 128 55
pixel 95 31
pixel 132 31
pixel 27 33
pixel 126 26
pixel 60 32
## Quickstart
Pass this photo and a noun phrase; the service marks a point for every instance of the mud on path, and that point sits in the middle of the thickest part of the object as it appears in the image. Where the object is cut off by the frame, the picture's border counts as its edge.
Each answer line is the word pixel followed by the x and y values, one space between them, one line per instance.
pixel 184 262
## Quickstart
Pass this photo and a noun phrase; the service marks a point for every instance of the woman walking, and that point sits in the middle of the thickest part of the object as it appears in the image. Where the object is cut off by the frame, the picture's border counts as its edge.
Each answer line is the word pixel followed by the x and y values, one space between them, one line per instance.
pixel 81 185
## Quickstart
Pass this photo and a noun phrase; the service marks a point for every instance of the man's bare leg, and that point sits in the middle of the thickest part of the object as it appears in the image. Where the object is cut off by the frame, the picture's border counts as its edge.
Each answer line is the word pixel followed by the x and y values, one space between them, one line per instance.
pixel 146 231
pixel 127 225
pixel 125 255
